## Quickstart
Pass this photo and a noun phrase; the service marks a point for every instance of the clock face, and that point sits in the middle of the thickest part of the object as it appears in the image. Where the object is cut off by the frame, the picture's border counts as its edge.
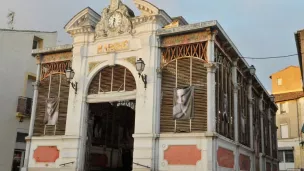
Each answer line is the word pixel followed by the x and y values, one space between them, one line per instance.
pixel 115 20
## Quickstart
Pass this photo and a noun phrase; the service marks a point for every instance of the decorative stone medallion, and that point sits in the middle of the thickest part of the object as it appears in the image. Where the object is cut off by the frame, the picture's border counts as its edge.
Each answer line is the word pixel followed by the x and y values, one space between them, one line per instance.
pixel 46 154
pixel 225 158
pixel 93 65
pixel 131 60
pixel 182 155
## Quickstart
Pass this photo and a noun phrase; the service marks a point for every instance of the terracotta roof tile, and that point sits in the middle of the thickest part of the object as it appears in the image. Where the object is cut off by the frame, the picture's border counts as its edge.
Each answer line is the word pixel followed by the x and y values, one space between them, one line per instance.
pixel 288 96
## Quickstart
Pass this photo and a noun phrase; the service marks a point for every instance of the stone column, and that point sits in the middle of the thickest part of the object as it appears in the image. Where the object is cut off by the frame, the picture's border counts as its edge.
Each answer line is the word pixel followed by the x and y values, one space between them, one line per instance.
pixel 76 123
pixel 145 155
pixel 250 112
pixel 270 133
pixel 211 69
pixel 235 104
pixel 250 97
pixel 262 153
pixel 236 117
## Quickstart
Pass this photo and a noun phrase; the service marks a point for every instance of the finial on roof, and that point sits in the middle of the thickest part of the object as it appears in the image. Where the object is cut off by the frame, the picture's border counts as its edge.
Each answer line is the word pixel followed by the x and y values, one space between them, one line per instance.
pixel 114 4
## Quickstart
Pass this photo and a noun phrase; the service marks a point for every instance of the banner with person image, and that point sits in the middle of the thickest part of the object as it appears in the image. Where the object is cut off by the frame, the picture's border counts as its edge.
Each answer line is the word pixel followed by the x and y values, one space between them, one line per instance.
pixel 183 103
pixel 51 111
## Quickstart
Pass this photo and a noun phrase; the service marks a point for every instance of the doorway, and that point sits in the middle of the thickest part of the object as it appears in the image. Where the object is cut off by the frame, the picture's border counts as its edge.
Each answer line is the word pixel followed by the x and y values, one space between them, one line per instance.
pixel 110 143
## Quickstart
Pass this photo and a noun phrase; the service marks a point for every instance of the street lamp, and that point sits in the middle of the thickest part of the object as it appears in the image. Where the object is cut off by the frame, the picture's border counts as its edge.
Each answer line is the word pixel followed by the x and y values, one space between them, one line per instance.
pixel 140 67
pixel 272 98
pixel 69 73
pixel 252 70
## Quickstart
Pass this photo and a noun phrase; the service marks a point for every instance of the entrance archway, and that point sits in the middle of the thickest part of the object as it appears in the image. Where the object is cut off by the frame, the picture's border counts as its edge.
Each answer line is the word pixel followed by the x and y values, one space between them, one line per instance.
pixel 111 120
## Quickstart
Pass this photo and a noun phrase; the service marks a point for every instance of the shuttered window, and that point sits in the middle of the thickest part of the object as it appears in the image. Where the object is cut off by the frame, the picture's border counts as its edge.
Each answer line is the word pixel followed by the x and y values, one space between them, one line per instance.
pixel 284 131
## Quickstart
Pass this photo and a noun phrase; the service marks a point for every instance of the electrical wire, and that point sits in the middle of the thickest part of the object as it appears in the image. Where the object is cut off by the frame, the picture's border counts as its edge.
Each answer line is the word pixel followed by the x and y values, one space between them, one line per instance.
pixel 271 57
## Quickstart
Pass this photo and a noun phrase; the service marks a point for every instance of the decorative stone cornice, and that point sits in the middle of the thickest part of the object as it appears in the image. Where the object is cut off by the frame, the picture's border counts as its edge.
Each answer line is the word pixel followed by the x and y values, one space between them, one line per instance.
pixel 143 19
pixel 186 28
pixel 54 57
pixel 52 49
pixel 211 66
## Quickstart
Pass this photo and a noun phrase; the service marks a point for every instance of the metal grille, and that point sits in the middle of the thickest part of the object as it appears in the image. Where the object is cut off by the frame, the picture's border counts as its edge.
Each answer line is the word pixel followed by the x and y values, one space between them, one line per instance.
pixel 224 96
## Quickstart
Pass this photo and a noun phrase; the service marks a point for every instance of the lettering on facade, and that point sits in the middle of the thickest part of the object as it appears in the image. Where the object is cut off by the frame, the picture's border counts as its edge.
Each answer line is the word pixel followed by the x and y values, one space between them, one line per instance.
pixel 113 47
pixel 185 39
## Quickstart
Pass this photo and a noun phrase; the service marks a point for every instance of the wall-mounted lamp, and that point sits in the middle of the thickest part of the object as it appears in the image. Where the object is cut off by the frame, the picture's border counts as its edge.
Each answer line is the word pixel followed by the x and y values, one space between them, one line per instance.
pixel 252 70
pixel 140 67
pixel 272 98
pixel 69 73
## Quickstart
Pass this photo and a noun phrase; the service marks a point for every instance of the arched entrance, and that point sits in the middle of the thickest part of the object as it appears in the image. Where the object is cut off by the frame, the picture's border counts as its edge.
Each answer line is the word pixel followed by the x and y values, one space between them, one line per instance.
pixel 111 120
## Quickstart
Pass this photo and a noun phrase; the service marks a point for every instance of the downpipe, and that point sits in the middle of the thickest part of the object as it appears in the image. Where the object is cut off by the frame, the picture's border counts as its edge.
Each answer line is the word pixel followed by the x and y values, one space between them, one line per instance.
pixel 32 121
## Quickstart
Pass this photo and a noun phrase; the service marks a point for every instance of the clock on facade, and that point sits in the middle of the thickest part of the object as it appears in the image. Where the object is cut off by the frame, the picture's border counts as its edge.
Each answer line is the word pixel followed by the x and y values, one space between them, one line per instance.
pixel 115 20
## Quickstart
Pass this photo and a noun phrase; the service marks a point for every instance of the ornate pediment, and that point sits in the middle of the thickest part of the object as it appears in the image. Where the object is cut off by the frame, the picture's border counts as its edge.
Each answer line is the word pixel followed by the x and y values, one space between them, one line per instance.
pixel 150 12
pixel 84 21
pixel 146 8
pixel 115 20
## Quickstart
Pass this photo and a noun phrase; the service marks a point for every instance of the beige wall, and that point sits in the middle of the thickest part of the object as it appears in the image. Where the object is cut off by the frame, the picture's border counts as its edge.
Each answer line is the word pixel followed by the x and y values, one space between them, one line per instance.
pixel 290 118
pixel 298 154
pixel 291 80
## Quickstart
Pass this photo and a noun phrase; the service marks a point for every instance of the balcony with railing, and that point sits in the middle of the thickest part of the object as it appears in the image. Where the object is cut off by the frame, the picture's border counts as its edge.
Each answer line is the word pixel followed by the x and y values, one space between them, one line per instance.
pixel 24 108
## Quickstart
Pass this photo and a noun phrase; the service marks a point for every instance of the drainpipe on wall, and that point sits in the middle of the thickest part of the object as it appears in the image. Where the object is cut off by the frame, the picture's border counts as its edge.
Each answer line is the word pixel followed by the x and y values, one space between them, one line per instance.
pixel 33 116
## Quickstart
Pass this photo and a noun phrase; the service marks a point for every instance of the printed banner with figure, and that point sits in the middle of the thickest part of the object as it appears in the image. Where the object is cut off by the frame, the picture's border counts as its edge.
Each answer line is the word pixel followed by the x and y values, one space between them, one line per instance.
pixel 183 104
pixel 51 111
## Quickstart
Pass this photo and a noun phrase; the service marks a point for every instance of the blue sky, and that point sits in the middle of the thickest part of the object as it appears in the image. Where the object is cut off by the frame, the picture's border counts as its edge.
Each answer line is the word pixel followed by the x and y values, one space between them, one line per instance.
pixel 258 28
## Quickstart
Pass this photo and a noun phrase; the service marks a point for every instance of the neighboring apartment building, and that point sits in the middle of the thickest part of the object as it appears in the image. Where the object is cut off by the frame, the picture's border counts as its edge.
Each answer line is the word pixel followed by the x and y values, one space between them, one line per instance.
pixel 17 73
pixel 287 89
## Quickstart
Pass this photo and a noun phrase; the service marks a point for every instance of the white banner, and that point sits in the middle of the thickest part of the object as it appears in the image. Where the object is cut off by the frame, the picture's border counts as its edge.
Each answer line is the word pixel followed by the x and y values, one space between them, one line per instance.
pixel 51 111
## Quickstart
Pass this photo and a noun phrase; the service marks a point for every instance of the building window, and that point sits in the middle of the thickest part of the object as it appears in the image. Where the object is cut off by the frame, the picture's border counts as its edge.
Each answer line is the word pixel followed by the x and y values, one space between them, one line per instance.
pixel 289 158
pixel 281 156
pixel 284 131
pixel 37 43
pixel 279 81
pixel 18 160
pixel 21 137
pixel 286 156
pixel 283 107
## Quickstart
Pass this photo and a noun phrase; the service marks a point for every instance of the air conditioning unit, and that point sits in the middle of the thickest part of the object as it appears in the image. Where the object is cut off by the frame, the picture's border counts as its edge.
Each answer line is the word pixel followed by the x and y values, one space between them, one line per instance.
pixel 24 106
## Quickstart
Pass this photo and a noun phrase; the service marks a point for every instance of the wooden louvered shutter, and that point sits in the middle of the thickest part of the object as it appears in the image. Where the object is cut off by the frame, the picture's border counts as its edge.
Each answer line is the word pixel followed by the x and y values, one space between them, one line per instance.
pixel 180 73
pixel 110 79
pixel 54 86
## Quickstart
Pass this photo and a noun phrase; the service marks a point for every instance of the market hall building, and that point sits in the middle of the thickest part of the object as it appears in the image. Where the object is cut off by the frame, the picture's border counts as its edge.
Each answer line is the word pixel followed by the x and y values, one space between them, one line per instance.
pixel 148 92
